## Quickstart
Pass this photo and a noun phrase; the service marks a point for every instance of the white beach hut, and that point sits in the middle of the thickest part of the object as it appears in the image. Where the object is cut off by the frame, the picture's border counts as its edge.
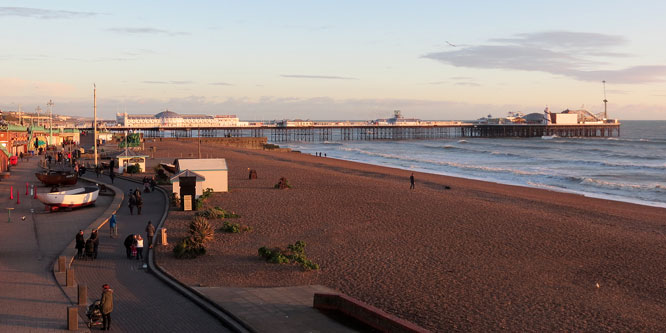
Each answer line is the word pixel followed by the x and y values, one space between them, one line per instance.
pixel 213 170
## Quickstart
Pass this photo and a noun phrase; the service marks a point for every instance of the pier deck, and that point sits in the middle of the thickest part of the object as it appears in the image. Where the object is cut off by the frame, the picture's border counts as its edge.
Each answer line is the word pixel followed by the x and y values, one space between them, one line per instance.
pixel 374 132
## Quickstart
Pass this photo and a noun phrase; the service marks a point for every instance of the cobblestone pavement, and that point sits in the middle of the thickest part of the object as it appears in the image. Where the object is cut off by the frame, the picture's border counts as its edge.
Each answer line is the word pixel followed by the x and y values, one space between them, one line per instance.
pixel 141 301
pixel 30 298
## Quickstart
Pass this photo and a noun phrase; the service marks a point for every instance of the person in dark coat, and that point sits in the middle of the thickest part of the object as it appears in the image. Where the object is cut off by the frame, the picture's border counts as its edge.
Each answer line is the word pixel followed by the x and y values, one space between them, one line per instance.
pixel 80 244
pixel 95 238
pixel 128 245
pixel 150 232
pixel 131 203
pixel 112 175
pixel 90 248
pixel 106 303
pixel 139 201
pixel 411 181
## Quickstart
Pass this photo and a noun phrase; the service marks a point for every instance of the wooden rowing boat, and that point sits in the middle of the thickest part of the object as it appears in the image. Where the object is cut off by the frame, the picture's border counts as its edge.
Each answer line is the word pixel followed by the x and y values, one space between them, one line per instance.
pixel 57 177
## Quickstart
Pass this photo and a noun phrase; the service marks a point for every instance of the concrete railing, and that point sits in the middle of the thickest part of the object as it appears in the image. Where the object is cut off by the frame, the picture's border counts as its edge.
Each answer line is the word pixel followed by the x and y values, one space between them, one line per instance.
pixel 365 313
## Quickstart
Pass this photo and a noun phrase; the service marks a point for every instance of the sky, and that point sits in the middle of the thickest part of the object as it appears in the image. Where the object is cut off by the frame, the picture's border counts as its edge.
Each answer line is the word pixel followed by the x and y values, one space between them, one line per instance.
pixel 334 60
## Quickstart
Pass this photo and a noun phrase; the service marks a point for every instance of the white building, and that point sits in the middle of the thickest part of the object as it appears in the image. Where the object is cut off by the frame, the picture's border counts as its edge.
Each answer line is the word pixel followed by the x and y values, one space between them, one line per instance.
pixel 171 119
pixel 213 171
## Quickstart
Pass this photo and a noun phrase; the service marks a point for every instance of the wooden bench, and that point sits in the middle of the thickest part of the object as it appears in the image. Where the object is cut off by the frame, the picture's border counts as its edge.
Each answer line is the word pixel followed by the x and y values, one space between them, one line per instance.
pixel 364 313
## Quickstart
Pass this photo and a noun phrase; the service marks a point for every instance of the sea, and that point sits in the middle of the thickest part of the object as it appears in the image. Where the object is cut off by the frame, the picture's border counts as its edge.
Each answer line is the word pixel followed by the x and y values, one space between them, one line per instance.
pixel 629 168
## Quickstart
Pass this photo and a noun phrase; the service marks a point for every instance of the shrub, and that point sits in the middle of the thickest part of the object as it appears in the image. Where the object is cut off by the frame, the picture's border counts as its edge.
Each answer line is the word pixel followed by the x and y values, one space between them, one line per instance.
pixel 282 184
pixel 187 249
pixel 201 232
pixel 294 253
pixel 175 200
pixel 136 168
pixel 234 228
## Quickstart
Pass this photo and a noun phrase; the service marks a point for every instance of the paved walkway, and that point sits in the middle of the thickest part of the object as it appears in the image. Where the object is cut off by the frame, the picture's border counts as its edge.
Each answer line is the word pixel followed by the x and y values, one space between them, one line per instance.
pixel 277 310
pixel 30 298
pixel 141 301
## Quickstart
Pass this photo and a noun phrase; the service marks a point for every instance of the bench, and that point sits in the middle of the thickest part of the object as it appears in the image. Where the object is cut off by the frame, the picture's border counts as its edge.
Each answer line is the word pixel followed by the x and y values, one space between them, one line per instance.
pixel 364 313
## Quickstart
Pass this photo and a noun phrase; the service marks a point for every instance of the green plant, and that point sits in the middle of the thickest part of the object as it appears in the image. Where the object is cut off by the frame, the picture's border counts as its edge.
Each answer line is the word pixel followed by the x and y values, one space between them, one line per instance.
pixel 187 249
pixel 282 184
pixel 234 228
pixel 175 200
pixel 136 168
pixel 201 232
pixel 294 253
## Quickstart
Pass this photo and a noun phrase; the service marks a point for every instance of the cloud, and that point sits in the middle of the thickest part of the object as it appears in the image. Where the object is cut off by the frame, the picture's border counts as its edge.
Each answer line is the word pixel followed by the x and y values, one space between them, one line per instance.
pixel 325 77
pixel 469 84
pixel 573 54
pixel 167 82
pixel 46 14
pixel 153 31
pixel 220 84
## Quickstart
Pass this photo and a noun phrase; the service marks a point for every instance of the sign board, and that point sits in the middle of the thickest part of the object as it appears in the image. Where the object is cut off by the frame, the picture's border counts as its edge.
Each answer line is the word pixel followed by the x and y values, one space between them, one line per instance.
pixel 187 202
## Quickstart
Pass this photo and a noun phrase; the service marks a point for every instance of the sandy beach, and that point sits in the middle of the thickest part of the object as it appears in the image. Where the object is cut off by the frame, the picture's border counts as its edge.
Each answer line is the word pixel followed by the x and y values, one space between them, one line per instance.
pixel 476 257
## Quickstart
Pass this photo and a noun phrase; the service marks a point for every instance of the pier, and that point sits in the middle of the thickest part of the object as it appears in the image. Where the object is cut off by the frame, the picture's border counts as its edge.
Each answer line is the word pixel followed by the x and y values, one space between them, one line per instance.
pixel 378 132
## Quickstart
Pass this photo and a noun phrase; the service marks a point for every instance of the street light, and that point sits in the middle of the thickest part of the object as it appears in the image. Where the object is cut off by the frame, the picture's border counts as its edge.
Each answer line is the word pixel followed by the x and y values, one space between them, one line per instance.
pixel 50 104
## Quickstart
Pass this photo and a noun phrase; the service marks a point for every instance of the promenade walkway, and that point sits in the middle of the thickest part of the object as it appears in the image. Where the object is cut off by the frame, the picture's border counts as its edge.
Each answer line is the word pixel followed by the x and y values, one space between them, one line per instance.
pixel 30 298
pixel 141 301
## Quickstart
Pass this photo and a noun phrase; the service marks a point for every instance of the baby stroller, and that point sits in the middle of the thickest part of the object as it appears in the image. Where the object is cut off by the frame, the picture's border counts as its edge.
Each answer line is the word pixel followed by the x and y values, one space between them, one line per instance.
pixel 94 314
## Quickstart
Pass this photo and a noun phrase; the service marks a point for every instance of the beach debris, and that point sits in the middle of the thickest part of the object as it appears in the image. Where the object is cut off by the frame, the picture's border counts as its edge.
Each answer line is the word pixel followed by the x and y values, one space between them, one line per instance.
pixel 598 286
pixel 282 184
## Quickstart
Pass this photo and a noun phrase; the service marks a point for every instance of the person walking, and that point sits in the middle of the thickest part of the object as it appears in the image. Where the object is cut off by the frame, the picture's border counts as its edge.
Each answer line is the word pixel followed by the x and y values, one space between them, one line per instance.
pixel 131 202
pixel 95 238
pixel 150 233
pixel 129 241
pixel 112 175
pixel 80 244
pixel 139 247
pixel 411 181
pixel 106 303
pixel 139 202
pixel 113 226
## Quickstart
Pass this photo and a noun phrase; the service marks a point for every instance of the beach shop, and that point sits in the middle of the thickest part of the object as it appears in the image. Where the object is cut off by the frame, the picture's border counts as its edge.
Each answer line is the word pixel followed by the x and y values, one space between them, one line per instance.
pixel 213 170
pixel 124 160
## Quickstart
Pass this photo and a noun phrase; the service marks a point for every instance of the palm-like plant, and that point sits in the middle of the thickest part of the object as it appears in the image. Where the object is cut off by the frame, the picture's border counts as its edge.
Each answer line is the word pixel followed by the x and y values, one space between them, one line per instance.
pixel 201 232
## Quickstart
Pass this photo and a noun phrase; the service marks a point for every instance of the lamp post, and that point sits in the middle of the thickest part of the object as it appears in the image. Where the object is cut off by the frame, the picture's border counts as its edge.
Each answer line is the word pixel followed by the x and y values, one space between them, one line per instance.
pixel 38 109
pixel 50 104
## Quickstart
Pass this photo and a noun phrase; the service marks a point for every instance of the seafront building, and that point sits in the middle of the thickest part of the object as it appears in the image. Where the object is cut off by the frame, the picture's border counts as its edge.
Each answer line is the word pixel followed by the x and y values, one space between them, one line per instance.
pixel 172 119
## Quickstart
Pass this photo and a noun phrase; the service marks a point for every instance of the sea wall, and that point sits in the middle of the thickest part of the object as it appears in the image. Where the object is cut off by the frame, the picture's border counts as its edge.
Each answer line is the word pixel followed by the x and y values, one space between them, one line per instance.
pixel 245 142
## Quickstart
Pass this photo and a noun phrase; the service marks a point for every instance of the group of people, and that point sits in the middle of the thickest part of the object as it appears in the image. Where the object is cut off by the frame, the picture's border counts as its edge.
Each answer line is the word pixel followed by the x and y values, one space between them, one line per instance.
pixel 90 246
pixel 135 200
pixel 134 243
pixel 149 184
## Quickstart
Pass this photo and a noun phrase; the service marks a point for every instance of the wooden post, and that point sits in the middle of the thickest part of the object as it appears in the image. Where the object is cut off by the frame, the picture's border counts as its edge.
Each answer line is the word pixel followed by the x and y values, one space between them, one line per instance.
pixel 70 277
pixel 83 294
pixel 61 264
pixel 73 318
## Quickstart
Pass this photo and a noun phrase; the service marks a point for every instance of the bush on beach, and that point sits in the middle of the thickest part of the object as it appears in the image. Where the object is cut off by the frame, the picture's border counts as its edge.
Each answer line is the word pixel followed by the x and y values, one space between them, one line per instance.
pixel 294 253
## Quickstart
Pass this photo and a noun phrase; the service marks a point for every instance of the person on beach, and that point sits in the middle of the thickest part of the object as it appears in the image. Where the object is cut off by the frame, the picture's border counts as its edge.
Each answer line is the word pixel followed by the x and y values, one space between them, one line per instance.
pixel 138 242
pixel 113 226
pixel 411 181
pixel 150 233
pixel 106 303
pixel 129 241
pixel 80 244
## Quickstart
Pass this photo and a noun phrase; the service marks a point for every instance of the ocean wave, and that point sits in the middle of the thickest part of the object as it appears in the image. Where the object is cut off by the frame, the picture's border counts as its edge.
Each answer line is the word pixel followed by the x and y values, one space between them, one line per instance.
pixel 654 187
pixel 462 166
